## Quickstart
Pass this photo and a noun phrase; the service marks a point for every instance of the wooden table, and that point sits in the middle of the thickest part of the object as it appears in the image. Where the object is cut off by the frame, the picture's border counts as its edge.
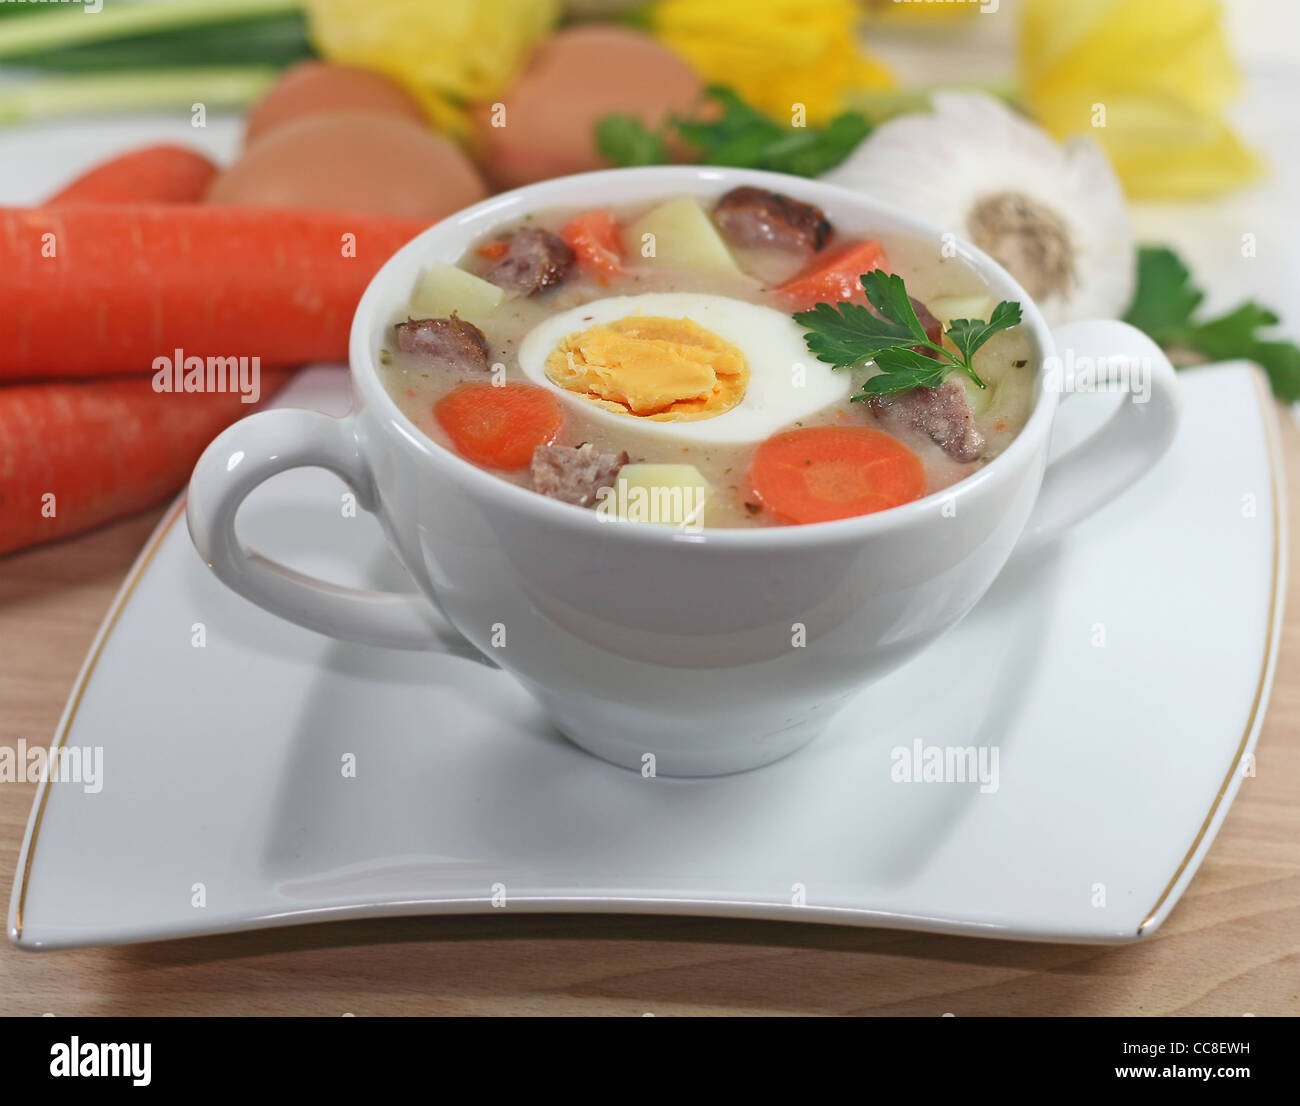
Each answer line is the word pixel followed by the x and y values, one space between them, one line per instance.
pixel 1232 946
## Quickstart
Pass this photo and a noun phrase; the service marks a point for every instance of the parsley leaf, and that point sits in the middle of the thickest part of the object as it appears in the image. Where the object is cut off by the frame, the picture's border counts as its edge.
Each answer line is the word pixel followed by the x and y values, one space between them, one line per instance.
pixel 625 140
pixel 724 130
pixel 889 334
pixel 821 151
pixel 901 370
pixel 887 293
pixel 969 334
pixel 844 334
pixel 1166 300
pixel 1281 362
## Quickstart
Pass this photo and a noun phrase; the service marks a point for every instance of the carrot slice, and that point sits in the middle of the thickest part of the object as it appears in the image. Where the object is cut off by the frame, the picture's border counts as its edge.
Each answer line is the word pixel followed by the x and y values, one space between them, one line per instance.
pixel 499 426
pixel 827 472
pixel 493 251
pixel 835 278
pixel 593 237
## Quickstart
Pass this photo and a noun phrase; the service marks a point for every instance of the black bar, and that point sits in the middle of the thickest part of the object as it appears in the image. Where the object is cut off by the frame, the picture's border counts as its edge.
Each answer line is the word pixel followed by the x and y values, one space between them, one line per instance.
pixel 335 1054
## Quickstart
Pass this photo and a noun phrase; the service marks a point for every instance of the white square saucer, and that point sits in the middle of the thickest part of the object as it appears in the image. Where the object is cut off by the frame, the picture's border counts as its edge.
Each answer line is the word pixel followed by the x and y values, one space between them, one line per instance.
pixel 1120 677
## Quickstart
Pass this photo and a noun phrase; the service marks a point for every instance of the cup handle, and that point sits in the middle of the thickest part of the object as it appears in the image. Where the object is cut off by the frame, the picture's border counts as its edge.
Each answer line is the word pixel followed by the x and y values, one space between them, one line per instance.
pixel 255 449
pixel 1122 449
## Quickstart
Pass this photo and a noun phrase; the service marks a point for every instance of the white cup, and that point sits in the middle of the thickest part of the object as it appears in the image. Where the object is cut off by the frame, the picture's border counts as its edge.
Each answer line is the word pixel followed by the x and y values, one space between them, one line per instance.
pixel 700 653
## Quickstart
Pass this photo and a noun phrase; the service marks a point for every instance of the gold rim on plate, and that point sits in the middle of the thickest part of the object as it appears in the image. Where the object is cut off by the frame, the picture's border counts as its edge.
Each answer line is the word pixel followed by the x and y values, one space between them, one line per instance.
pixel 1273 446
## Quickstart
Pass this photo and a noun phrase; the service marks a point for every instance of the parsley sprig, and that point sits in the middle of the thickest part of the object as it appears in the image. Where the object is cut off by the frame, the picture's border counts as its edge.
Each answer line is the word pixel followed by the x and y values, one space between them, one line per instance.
pixel 1166 302
pixel 891 336
pixel 723 129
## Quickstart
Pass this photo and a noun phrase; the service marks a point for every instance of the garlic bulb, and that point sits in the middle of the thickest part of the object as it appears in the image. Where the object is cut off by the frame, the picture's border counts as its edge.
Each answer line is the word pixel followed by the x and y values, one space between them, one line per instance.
pixel 1052 215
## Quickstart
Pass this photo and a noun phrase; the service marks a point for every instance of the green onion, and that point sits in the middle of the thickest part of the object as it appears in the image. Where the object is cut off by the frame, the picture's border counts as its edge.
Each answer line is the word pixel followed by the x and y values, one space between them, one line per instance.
pixel 225 86
pixel 63 27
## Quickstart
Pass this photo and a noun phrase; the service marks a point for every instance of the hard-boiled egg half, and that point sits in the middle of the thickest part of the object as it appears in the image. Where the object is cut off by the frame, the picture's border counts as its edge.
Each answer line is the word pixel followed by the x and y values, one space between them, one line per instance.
pixel 683 364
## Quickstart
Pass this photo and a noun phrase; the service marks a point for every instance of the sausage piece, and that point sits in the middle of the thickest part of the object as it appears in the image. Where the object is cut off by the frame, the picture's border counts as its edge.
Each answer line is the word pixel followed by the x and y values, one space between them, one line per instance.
pixel 749 216
pixel 942 414
pixel 574 473
pixel 534 259
pixel 450 343
pixel 933 327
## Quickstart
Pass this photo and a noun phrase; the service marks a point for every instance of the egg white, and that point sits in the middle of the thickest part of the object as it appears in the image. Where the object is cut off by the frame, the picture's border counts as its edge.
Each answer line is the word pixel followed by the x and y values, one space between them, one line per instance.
pixel 772 342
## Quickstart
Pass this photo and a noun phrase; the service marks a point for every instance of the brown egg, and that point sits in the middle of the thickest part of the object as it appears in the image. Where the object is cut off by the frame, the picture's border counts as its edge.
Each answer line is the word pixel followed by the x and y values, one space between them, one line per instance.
pixel 318 88
pixel 574 79
pixel 353 162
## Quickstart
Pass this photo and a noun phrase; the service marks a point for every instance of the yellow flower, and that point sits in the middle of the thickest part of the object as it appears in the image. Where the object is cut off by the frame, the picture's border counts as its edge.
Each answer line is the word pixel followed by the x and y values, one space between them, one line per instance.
pixel 923 14
pixel 446 54
pixel 1148 80
pixel 774 53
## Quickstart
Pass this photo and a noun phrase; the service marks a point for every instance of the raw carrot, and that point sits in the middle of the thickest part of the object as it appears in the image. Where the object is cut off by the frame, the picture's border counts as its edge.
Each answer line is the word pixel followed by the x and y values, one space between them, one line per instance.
pixel 499 426
pixel 77 454
pixel 835 278
pixel 92 290
pixel 593 237
pixel 822 473
pixel 152 174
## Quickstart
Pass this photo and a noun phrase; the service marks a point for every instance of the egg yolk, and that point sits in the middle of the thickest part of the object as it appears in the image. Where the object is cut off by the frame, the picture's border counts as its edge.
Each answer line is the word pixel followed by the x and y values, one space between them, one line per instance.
pixel 666 370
